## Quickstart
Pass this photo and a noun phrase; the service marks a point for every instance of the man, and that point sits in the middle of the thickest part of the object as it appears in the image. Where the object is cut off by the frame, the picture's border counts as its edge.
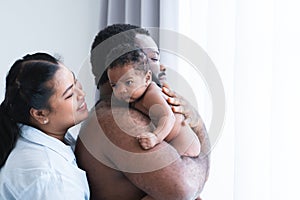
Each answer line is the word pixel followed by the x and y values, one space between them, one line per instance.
pixel 107 149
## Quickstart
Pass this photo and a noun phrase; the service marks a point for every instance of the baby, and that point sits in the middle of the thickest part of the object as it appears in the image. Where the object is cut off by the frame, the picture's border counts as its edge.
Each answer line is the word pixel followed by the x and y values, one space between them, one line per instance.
pixel 131 80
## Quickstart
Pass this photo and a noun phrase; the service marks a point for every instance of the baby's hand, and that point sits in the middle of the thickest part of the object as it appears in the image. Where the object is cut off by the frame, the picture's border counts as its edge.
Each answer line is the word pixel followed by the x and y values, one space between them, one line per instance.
pixel 147 140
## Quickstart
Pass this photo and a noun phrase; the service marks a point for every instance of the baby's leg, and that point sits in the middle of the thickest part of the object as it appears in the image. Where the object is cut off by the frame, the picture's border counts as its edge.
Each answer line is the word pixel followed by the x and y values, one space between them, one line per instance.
pixel 186 143
pixel 183 139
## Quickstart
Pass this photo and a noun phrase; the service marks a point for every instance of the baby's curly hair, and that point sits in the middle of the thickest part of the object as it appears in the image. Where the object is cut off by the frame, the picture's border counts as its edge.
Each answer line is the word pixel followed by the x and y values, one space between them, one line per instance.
pixel 108 38
pixel 127 54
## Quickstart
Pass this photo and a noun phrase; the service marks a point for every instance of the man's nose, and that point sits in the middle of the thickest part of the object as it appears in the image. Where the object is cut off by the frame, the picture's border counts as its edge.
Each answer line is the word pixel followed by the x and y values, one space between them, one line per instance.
pixel 162 68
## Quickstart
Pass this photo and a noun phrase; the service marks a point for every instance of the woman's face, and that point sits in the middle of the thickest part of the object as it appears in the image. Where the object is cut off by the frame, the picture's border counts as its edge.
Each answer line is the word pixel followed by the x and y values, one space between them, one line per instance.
pixel 150 48
pixel 67 104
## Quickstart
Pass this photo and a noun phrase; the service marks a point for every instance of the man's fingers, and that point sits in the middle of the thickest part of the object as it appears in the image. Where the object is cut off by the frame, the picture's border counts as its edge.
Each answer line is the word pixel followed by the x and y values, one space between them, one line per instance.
pixel 165 84
pixel 168 91
pixel 178 109
pixel 181 109
pixel 187 121
pixel 190 118
pixel 192 122
pixel 176 101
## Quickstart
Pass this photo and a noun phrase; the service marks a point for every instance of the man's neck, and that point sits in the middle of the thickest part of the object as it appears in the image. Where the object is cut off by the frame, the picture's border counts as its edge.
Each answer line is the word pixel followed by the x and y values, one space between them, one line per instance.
pixel 105 90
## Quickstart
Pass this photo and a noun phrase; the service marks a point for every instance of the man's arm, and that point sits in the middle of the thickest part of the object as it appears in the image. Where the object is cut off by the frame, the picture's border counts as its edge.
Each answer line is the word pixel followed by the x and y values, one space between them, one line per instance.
pixel 170 177
pixel 183 179
pixel 179 177
pixel 182 106
pixel 104 182
pixel 193 118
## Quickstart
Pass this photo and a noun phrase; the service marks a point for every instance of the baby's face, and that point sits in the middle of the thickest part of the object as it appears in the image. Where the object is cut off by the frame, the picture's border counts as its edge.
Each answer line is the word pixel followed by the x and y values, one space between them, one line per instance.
pixel 127 83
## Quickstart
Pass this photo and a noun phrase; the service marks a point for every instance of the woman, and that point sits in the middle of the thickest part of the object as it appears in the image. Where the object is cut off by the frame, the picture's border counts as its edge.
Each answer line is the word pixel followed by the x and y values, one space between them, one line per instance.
pixel 42 101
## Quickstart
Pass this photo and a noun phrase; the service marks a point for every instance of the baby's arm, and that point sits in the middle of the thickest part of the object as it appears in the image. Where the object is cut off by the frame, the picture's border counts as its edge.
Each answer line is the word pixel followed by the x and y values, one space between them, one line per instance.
pixel 159 111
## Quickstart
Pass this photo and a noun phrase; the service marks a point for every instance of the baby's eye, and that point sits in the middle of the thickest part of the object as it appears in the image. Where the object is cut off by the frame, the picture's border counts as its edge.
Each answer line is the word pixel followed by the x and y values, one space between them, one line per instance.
pixel 113 85
pixel 129 82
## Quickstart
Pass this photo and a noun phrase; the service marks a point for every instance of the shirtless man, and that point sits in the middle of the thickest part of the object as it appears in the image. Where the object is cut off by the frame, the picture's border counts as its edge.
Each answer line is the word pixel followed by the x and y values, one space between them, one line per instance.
pixel 107 149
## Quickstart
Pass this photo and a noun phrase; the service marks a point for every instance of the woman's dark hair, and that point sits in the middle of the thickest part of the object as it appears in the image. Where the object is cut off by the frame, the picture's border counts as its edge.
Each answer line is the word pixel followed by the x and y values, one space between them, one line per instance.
pixel 26 87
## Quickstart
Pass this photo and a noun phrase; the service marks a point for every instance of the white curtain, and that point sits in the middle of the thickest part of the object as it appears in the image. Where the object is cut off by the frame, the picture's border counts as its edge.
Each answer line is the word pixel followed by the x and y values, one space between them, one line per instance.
pixel 254 44
pixel 255 48
pixel 137 12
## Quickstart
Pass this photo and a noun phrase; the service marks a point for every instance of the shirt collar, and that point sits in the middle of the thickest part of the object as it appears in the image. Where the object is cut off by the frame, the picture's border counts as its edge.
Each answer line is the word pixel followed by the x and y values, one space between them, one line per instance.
pixel 36 136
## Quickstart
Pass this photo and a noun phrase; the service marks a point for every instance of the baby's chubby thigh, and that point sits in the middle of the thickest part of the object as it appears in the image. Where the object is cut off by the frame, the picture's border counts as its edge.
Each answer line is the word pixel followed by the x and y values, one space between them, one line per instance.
pixel 178 127
pixel 182 136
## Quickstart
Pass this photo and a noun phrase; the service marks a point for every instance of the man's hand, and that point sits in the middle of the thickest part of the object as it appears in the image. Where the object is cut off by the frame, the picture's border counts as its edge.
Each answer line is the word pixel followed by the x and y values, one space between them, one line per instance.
pixel 192 117
pixel 182 106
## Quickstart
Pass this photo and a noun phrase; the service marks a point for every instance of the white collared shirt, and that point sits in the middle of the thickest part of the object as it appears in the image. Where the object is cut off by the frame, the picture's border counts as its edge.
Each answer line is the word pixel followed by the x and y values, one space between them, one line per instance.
pixel 42 167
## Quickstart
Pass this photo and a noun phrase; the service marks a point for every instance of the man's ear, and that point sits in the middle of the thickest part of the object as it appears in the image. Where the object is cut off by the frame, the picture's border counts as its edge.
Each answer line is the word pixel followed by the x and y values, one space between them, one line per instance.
pixel 148 77
pixel 41 116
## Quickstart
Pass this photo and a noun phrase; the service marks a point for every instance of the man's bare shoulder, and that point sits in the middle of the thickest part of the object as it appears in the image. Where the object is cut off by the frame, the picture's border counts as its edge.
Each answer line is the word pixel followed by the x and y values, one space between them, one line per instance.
pixel 112 145
pixel 122 116
pixel 118 124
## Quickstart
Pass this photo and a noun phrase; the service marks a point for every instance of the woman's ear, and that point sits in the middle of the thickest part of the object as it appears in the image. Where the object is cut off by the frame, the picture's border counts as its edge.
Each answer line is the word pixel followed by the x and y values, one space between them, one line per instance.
pixel 148 77
pixel 41 116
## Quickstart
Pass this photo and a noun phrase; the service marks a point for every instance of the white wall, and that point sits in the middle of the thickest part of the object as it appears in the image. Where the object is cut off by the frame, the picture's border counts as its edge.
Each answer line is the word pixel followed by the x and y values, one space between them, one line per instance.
pixel 59 27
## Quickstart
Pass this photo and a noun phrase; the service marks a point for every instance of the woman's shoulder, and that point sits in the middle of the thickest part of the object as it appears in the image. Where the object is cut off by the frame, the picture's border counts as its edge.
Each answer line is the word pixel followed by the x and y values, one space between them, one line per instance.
pixel 25 164
pixel 27 155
